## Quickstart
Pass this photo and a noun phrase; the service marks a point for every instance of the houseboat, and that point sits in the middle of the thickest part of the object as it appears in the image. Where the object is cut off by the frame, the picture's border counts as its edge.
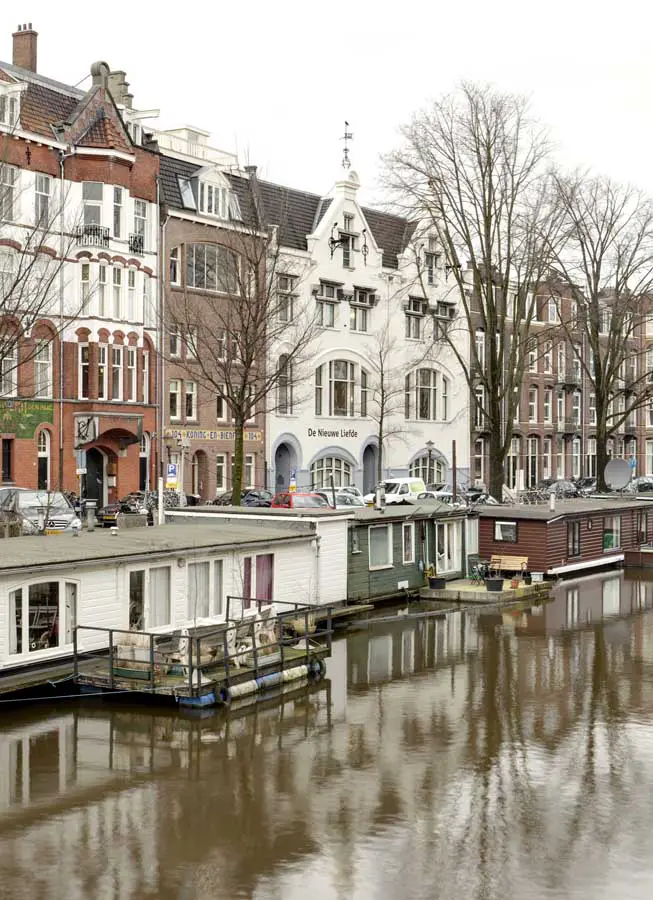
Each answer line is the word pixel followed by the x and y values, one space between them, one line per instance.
pixel 574 536
pixel 60 590
pixel 391 550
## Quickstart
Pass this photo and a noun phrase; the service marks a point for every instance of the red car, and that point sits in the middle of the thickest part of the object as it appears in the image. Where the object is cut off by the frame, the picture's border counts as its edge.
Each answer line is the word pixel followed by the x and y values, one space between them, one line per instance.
pixel 297 500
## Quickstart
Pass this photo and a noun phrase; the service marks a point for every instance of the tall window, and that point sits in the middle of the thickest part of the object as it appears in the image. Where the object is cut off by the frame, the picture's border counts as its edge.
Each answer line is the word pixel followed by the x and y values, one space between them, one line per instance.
pixel 82 376
pixel 159 596
pixel 573 537
pixel 447 547
pixel 117 212
pixel 117 292
pixel 318 390
pixel 562 358
pixel 9 369
pixel 212 268
pixel 532 457
pixel 575 457
pixel 175 340
pixel 592 409
pixel 365 392
pixel 146 376
pixel 532 404
pixel 174 400
pixel 480 347
pixel 611 532
pixel 102 290
pixel 85 274
pixel 7 459
pixel 512 463
pixel 131 295
pixel 140 221
pixel 221 407
pixel 532 355
pixel 548 403
pixel 560 458
pixel 102 371
pixel 358 318
pixel 547 358
pixel 590 458
pixel 174 265
pixel 92 202
pixel 286 297
pixel 479 461
pixel 249 470
pixel 43 369
pixel 220 471
pixel 43 457
pixel 576 407
pixel 560 406
pixel 284 386
pixel 546 457
pixel 430 264
pixel 190 390
pixel 8 183
pixel 116 373
pixel 42 200
pixel 426 395
pixel 413 327
pixel 322 470
pixel 479 407
pixel 342 385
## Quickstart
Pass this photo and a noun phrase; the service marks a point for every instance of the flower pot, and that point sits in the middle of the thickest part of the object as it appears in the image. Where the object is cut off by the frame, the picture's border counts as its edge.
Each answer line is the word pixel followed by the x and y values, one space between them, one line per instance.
pixel 527 579
pixel 494 584
pixel 514 583
pixel 437 583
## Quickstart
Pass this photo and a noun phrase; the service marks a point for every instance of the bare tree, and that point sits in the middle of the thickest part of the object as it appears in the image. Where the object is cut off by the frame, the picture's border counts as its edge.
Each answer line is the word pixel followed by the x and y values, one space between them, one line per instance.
pixel 474 165
pixel 606 259
pixel 247 343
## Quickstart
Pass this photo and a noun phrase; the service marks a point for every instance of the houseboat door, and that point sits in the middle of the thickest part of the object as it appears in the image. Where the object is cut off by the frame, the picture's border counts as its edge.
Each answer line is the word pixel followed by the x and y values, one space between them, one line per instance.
pixel 95 480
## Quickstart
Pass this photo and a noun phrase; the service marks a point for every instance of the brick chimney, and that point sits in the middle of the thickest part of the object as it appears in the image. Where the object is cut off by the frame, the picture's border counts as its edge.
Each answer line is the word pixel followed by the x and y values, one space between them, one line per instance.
pixel 25 47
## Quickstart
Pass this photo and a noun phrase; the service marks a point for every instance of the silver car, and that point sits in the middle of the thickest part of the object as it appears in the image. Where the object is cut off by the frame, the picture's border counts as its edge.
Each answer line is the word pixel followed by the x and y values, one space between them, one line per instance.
pixel 47 512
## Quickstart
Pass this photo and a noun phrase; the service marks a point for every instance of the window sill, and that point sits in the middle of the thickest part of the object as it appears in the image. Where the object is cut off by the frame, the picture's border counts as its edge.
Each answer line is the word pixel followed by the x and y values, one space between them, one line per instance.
pixel 410 562
pixel 356 552
pixel 381 568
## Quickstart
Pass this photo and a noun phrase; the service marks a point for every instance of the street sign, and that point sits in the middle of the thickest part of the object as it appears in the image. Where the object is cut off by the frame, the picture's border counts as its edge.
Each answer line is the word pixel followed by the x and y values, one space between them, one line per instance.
pixel 80 472
pixel 171 475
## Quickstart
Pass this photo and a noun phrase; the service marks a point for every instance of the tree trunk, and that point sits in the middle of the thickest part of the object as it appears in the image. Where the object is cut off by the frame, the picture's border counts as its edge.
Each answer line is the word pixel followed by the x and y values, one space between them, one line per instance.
pixel 496 448
pixel 237 469
pixel 379 457
pixel 601 456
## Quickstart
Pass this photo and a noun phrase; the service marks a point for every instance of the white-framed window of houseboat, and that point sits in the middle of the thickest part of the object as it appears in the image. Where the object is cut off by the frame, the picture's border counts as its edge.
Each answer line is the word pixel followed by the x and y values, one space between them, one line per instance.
pixel 506 532
pixel 149 598
pixel 42 616
pixel 408 542
pixel 204 589
pixel 379 539
pixel 447 547
pixel 258 579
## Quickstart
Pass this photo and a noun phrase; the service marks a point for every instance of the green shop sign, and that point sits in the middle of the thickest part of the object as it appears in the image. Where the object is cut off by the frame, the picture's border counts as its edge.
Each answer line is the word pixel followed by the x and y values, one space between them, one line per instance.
pixel 23 417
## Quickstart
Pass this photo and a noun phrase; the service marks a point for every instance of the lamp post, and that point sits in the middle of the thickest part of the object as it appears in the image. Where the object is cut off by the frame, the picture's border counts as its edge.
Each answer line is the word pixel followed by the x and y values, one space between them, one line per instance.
pixel 429 472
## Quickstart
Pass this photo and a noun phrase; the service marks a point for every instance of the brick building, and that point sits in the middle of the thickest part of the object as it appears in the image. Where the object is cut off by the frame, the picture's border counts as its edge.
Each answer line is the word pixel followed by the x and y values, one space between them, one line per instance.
pixel 79 215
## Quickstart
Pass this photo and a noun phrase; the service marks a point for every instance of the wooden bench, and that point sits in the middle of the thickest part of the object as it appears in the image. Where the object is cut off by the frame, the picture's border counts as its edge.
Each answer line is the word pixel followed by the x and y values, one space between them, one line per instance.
pixel 505 563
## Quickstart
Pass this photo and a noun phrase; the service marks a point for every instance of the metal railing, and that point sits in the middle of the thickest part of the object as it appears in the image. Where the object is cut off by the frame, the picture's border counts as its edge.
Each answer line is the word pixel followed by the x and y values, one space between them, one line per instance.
pixel 92 235
pixel 137 244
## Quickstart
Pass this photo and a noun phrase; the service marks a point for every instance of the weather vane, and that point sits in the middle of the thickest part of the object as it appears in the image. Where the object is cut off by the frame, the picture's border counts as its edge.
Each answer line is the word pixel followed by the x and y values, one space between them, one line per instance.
pixel 347 136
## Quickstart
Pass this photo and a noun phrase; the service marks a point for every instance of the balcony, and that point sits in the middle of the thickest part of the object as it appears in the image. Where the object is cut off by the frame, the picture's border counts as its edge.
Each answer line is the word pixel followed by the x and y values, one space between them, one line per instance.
pixel 137 244
pixel 92 236
pixel 570 378
pixel 569 426
pixel 630 428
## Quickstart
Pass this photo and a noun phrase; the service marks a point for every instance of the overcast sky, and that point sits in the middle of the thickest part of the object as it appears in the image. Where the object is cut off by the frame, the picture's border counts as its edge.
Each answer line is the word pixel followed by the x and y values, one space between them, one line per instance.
pixel 275 81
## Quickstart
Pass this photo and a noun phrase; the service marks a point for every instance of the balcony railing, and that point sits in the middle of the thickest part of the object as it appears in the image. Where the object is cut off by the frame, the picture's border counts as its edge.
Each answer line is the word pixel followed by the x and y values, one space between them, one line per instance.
pixel 137 244
pixel 92 235
pixel 569 378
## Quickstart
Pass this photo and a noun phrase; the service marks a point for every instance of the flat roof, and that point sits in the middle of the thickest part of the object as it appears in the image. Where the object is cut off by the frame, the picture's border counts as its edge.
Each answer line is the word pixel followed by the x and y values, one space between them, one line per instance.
pixel 267 511
pixel 541 512
pixel 101 544
pixel 422 510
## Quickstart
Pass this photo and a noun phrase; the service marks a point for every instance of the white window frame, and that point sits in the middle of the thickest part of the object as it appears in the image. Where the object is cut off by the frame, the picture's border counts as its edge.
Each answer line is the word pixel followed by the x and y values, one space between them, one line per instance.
pixel 147 606
pixel 9 176
pixel 43 370
pixel 174 389
pixel 116 292
pixel 131 295
pixel 117 212
pixel 215 591
pixel 132 380
pixel 389 563
pixel 190 391
pixel 146 376
pixel 9 371
pixel 81 365
pixel 408 530
pixel 220 473
pixel 102 290
pixel 102 367
pixel 42 190
pixel 66 618
pixel 504 528
pixel 117 360
pixel 92 203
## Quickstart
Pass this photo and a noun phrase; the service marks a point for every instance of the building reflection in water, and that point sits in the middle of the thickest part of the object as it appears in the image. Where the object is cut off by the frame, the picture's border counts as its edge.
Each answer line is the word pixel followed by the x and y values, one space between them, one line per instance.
pixel 476 753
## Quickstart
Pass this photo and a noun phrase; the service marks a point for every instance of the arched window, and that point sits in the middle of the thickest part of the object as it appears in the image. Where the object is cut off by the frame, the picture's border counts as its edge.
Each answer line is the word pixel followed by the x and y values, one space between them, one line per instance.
pixel 427 395
pixel 431 471
pixel 341 389
pixel 43 456
pixel 284 386
pixel 329 467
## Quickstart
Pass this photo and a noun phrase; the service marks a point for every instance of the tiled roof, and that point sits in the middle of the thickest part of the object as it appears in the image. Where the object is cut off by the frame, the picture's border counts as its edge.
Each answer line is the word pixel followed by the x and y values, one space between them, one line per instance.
pixel 292 211
pixel 104 133
pixel 391 233
pixel 169 169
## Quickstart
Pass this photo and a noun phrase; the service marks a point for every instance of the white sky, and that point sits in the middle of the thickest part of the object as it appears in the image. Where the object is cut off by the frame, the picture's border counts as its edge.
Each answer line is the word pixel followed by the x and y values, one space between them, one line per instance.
pixel 276 80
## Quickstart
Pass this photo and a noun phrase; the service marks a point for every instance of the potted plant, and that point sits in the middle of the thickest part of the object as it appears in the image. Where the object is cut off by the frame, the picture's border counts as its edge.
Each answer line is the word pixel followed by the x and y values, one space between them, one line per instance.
pixel 435 582
pixel 494 584
pixel 514 583
pixel 527 577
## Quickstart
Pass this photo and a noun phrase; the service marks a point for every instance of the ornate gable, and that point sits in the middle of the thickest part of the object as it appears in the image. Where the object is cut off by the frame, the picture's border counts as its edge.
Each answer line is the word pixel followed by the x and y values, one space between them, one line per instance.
pixel 95 122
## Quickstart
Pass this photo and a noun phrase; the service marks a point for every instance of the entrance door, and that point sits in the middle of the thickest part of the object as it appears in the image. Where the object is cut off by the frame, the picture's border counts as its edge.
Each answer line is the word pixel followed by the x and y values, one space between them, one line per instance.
pixel 370 457
pixel 284 460
pixel 95 476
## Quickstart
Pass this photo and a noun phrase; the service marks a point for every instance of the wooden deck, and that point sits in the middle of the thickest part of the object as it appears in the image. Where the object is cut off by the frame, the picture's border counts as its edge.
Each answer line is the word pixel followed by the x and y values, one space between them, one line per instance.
pixel 461 590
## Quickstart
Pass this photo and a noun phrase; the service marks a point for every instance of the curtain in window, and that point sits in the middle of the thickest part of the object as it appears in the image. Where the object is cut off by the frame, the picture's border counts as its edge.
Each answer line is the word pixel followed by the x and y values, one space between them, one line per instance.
pixel 71 611
pixel 264 576
pixel 16 621
pixel 198 590
pixel 159 596
pixel 379 546
pixel 247 582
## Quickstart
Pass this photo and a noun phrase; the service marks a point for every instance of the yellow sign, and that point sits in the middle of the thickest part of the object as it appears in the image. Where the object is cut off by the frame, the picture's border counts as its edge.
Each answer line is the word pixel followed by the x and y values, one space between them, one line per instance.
pixel 200 434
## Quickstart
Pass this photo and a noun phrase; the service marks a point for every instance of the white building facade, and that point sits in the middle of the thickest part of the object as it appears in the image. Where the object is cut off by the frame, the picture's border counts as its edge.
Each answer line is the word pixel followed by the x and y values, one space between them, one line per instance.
pixel 377 287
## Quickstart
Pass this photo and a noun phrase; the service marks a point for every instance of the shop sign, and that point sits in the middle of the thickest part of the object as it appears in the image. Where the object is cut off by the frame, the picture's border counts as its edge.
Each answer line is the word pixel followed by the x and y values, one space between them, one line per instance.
pixel 332 433
pixel 23 417
pixel 199 434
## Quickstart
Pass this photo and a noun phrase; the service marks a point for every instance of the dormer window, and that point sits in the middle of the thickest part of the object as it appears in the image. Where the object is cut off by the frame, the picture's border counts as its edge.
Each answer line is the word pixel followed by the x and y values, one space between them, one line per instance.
pixel 219 202
pixel 186 191
pixel 9 109
pixel 430 264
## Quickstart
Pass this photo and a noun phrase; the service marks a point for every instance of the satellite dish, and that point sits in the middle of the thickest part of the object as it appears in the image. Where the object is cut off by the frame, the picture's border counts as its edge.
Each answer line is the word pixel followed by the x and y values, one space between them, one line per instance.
pixel 617 474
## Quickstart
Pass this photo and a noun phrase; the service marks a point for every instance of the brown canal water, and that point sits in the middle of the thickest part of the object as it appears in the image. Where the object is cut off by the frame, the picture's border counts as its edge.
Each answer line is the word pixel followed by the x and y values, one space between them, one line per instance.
pixel 476 755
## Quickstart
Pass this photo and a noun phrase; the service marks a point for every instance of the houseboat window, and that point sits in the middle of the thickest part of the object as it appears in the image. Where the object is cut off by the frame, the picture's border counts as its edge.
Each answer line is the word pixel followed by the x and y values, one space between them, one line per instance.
pixel 247 582
pixel 446 545
pixel 37 616
pixel 218 588
pixel 611 532
pixel 43 615
pixel 642 527
pixel 265 577
pixel 136 600
pixel 573 538
pixel 71 610
pixel 380 544
pixel 505 531
pixel 159 597
pixel 408 542
pixel 16 621
pixel 198 590
pixel 355 542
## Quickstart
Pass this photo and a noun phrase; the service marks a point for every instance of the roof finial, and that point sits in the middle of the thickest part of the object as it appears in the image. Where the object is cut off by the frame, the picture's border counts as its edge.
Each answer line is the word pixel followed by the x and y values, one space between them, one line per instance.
pixel 347 136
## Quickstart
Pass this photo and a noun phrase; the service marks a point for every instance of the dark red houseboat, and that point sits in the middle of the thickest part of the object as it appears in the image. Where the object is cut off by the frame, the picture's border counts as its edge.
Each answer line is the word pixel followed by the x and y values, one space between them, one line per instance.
pixel 576 535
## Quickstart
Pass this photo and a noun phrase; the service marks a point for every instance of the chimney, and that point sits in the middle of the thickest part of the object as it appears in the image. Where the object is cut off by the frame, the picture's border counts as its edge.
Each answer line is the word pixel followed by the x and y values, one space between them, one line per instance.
pixel 25 47
pixel 119 88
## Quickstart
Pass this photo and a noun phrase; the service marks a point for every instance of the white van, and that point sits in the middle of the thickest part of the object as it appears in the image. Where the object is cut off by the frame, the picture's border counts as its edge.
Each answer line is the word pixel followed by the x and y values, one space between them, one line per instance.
pixel 397 490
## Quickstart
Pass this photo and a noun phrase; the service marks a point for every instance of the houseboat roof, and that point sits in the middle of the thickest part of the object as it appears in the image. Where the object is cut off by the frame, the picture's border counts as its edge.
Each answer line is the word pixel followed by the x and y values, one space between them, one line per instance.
pixel 307 512
pixel 101 545
pixel 563 508
pixel 433 509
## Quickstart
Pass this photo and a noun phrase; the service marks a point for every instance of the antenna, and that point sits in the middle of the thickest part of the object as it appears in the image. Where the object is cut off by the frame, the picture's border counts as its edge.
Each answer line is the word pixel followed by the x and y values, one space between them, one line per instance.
pixel 347 136
pixel 617 474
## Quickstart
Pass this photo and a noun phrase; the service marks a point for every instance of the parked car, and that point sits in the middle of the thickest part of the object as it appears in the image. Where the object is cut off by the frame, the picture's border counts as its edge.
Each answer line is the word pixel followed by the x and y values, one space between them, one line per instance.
pixel 343 499
pixel 642 484
pixel 298 500
pixel 399 490
pixel 53 508
pixel 559 486
pixel 350 489
pixel 256 498
pixel 586 485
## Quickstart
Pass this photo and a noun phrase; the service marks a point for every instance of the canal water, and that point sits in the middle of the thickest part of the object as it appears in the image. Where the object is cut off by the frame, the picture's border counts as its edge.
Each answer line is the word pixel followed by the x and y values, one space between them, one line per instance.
pixel 474 755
